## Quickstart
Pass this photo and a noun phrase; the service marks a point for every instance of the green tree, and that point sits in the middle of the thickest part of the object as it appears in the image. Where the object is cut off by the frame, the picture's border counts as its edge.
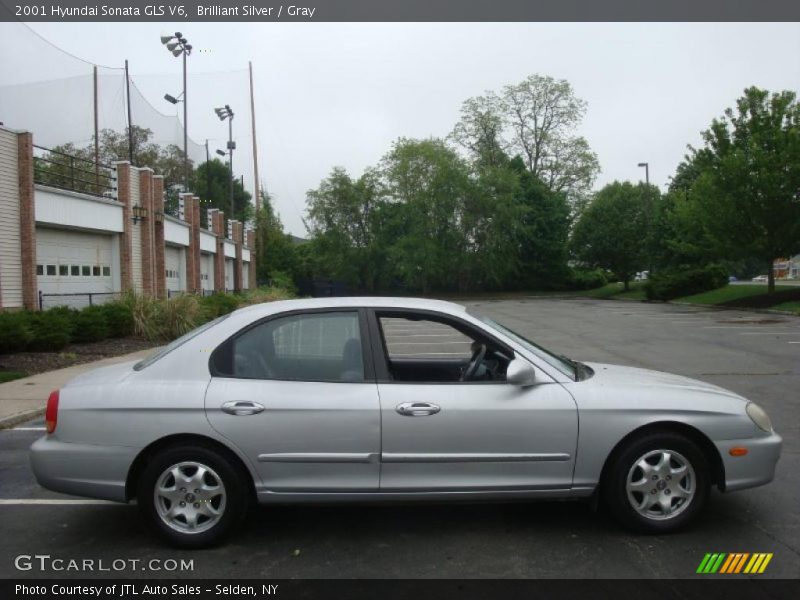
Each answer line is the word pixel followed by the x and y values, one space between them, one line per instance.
pixel 611 231
pixel 542 233
pixel 432 183
pixel 535 119
pixel 343 219
pixel 747 192
pixel 275 249
pixel 211 183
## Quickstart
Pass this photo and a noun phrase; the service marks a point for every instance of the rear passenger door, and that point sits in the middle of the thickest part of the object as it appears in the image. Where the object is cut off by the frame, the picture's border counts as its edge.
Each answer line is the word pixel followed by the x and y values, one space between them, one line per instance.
pixel 296 393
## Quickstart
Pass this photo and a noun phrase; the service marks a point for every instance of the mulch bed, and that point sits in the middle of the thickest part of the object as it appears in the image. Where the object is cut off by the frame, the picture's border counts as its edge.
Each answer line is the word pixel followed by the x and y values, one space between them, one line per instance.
pixel 74 354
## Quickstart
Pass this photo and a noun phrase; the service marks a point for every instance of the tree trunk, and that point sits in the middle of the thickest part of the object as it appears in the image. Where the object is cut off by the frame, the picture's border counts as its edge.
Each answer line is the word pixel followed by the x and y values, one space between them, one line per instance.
pixel 770 278
pixel 625 282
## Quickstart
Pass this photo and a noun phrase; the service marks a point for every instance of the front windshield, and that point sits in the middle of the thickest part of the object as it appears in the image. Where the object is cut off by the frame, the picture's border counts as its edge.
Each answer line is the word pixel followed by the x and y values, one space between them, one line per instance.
pixel 562 363
pixel 161 352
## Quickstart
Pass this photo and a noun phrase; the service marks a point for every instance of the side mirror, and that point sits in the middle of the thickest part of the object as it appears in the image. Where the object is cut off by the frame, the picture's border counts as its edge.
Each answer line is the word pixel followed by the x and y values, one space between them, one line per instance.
pixel 520 372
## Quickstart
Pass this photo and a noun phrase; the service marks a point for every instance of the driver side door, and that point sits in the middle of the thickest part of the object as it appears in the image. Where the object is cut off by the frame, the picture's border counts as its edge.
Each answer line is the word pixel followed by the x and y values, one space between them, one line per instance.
pixel 441 434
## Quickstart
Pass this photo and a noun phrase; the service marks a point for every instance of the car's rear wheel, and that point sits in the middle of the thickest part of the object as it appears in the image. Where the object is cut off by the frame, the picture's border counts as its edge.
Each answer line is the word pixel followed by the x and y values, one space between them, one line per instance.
pixel 657 483
pixel 193 496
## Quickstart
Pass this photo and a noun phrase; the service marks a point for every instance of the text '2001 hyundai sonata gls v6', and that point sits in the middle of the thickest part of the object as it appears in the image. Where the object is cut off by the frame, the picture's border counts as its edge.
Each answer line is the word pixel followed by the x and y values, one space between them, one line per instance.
pixel 349 399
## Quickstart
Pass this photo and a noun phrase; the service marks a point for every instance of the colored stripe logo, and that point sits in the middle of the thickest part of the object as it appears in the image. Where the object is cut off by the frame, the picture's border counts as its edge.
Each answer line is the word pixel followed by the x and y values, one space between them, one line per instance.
pixel 735 562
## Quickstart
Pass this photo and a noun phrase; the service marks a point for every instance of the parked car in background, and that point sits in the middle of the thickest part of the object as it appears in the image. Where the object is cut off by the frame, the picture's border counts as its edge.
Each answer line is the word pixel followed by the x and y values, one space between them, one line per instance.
pixel 732 279
pixel 760 278
pixel 641 276
pixel 390 399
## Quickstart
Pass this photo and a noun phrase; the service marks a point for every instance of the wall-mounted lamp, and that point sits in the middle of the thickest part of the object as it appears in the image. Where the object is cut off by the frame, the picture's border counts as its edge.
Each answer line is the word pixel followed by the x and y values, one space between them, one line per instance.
pixel 139 214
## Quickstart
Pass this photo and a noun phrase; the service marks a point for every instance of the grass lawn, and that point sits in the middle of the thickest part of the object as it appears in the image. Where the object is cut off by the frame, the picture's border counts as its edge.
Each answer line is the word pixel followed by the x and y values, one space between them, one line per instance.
pixel 725 294
pixel 11 375
pixel 789 307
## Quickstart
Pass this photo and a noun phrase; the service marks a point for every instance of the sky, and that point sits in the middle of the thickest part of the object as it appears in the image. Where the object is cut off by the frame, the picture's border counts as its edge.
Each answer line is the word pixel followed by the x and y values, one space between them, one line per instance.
pixel 331 94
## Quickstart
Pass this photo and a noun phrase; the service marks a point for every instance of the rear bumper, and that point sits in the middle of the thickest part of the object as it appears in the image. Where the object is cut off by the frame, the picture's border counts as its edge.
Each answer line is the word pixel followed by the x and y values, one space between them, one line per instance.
pixel 82 469
pixel 757 467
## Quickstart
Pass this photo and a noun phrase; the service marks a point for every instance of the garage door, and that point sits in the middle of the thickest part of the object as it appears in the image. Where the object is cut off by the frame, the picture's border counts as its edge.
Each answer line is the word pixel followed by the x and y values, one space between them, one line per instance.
pixel 173 265
pixel 75 263
pixel 228 274
pixel 207 271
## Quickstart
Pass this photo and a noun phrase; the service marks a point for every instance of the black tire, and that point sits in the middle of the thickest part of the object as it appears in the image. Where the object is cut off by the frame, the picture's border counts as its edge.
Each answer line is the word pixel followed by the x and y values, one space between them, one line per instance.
pixel 614 486
pixel 233 500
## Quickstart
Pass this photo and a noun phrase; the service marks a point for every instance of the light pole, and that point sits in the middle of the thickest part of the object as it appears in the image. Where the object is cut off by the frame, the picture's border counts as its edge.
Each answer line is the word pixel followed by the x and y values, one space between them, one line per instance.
pixel 649 209
pixel 178 46
pixel 646 172
pixel 227 113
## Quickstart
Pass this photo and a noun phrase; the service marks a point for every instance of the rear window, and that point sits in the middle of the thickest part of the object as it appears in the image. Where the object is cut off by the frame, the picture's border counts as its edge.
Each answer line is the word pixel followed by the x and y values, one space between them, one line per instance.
pixel 162 352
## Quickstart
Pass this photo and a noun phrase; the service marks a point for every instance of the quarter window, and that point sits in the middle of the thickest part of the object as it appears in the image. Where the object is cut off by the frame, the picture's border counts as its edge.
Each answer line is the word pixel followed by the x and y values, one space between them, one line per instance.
pixel 306 347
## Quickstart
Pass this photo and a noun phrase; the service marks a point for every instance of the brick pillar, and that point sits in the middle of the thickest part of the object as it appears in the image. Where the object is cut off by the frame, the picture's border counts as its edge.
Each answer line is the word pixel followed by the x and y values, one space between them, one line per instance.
pixel 188 215
pixel 251 273
pixel 146 230
pixel 218 220
pixel 125 240
pixel 194 244
pixel 237 265
pixel 27 221
pixel 159 268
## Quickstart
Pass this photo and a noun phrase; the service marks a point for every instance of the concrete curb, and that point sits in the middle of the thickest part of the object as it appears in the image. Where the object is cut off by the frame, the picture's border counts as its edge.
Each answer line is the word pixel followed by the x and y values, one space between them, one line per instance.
pixel 21 417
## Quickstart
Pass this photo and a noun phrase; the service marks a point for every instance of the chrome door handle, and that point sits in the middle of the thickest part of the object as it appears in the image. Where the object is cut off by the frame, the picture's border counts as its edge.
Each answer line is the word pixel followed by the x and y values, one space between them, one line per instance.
pixel 417 409
pixel 242 408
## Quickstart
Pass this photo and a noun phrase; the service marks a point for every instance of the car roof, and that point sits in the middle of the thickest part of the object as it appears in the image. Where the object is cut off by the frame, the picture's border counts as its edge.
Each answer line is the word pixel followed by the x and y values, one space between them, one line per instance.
pixel 354 301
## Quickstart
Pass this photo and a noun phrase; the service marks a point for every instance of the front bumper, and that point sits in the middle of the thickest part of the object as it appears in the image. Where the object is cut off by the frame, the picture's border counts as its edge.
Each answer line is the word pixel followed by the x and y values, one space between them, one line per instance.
pixel 82 469
pixel 757 467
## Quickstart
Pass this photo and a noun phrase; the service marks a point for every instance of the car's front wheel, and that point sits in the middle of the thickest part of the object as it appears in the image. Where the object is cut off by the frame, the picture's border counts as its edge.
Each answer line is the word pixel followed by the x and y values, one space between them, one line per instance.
pixel 192 496
pixel 657 483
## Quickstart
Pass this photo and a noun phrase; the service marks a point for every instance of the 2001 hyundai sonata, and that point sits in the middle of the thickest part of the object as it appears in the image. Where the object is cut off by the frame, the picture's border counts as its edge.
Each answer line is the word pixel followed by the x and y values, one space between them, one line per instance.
pixel 347 399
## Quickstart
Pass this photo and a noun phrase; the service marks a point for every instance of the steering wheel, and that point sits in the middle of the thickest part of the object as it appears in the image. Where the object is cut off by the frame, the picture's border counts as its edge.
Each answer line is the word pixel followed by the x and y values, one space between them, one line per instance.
pixel 474 363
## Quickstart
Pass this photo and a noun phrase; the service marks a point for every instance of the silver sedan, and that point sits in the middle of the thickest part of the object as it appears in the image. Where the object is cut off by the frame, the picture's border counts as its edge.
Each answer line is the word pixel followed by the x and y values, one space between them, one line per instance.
pixel 369 399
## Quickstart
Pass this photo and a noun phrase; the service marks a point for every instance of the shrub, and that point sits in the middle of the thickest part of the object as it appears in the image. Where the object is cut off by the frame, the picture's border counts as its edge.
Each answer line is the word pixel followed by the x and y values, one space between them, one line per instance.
pixel 15 332
pixel 91 325
pixel 265 294
pixel 218 304
pixel 70 314
pixel 676 283
pixel 282 280
pixel 51 330
pixel 175 316
pixel 142 310
pixel 119 318
pixel 584 279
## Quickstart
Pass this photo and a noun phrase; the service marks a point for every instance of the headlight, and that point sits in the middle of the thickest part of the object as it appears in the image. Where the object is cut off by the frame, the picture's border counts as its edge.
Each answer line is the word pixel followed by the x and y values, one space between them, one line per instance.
pixel 759 416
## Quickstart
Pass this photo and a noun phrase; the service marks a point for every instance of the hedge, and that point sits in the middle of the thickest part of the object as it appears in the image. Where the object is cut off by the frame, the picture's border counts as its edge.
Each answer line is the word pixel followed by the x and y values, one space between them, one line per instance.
pixel 676 283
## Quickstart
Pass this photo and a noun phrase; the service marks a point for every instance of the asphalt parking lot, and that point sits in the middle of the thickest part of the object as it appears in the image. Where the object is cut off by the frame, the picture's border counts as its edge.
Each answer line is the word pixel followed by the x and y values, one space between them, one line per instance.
pixel 753 354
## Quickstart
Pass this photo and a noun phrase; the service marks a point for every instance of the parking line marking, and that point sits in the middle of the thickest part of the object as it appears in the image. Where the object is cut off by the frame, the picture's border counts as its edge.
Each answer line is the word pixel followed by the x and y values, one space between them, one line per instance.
pixel 50 502
pixel 28 429
pixel 768 333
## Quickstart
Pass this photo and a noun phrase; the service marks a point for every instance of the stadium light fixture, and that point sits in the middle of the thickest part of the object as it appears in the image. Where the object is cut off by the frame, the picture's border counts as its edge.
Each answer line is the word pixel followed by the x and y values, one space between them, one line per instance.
pixel 226 112
pixel 179 46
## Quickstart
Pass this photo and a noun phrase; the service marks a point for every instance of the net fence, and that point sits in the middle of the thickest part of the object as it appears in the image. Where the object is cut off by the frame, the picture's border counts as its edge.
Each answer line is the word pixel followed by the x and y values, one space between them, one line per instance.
pixel 51 93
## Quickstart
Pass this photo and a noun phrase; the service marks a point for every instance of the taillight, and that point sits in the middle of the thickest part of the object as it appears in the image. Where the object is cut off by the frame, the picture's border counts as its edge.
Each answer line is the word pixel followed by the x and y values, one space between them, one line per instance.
pixel 51 414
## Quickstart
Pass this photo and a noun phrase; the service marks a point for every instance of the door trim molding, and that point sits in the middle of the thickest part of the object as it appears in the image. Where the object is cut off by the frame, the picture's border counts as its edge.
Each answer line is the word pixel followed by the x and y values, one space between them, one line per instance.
pixel 319 457
pixel 390 457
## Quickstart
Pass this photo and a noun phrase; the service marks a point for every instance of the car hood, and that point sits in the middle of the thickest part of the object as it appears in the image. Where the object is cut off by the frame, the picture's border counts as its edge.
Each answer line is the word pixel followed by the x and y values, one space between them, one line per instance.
pixel 620 376
pixel 109 374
